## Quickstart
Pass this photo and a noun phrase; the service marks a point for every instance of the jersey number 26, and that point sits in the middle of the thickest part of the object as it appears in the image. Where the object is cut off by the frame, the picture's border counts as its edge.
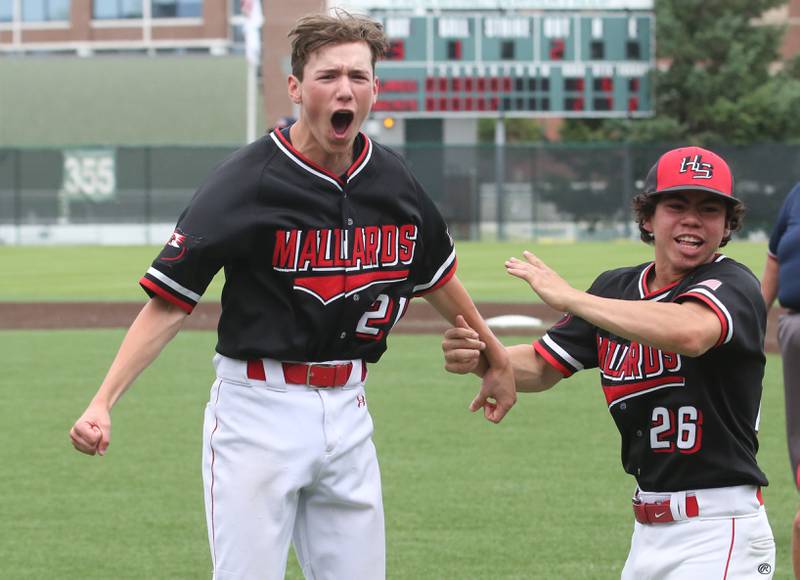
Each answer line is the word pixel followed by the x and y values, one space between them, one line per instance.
pixel 682 430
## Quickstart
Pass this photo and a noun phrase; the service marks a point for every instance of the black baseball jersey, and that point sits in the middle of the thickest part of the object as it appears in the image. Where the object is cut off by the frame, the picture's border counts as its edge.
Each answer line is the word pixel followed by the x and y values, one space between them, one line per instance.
pixel 686 422
pixel 318 267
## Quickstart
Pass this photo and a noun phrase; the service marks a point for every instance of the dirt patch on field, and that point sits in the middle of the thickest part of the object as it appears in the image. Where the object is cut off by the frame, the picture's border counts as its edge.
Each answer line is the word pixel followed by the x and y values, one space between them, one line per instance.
pixel 420 318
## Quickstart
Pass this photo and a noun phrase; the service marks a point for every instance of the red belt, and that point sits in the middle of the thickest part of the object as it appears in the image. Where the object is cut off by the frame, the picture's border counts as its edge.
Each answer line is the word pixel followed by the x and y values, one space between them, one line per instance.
pixel 312 375
pixel 660 512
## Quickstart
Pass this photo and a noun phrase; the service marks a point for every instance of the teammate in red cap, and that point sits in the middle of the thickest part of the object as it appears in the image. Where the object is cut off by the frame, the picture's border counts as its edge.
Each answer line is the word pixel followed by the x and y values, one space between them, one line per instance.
pixel 679 342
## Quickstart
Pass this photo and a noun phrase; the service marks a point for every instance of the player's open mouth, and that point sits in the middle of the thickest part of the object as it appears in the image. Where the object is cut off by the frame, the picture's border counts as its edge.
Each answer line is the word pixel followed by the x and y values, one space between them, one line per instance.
pixel 690 241
pixel 341 121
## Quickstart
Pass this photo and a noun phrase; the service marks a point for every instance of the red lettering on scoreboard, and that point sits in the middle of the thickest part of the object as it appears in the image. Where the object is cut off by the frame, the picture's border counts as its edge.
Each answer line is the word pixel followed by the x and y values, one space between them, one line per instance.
pixel 395 105
pixel 399 86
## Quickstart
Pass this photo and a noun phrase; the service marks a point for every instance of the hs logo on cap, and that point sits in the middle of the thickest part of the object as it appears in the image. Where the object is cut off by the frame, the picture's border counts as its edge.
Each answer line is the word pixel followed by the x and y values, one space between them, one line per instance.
pixel 695 164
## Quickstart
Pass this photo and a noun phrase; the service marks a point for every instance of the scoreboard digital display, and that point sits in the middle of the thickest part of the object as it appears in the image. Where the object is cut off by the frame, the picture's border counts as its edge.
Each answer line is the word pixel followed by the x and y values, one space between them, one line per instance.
pixel 570 64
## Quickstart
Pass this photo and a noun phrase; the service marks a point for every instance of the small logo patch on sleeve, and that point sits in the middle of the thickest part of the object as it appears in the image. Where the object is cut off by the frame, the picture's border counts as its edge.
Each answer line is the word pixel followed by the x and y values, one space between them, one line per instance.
pixel 712 283
pixel 176 247
pixel 176 240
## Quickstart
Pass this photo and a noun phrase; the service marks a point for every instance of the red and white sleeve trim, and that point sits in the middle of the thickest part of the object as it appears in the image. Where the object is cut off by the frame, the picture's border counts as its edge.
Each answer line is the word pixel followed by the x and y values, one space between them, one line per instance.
pixel 442 276
pixel 558 358
pixel 157 283
pixel 716 305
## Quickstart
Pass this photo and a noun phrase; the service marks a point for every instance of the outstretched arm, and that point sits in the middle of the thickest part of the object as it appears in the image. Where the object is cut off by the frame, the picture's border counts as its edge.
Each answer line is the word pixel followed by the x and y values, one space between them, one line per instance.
pixel 497 394
pixel 770 281
pixel 687 328
pixel 462 354
pixel 157 323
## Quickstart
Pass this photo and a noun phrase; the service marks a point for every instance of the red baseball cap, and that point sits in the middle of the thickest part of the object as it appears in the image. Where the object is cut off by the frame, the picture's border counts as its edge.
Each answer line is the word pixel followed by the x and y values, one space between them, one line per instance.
pixel 690 168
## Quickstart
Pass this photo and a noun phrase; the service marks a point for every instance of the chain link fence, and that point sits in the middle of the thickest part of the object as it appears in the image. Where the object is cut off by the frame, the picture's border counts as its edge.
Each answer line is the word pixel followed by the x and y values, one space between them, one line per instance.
pixel 133 195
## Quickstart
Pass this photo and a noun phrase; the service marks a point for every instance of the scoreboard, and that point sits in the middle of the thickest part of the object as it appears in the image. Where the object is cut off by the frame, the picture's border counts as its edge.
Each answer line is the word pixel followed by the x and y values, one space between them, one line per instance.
pixel 487 63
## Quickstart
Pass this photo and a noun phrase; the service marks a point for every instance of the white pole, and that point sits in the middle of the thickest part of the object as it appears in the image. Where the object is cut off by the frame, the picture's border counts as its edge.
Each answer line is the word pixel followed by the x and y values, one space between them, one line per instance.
pixel 147 27
pixel 16 19
pixel 254 18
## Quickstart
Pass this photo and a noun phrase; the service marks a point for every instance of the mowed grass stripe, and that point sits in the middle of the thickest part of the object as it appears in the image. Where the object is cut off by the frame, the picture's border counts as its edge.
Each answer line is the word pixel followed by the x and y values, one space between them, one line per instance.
pixel 111 273
pixel 540 496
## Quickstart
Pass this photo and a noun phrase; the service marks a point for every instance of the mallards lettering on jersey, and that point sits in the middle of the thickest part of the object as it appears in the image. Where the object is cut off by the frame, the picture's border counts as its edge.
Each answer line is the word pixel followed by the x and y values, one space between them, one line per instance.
pixel 317 266
pixel 675 413
pixel 633 369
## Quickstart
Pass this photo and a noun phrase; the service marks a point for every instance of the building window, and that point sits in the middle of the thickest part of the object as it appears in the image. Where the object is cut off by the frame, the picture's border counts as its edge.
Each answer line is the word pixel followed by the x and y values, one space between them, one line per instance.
pixel 45 10
pixel 177 8
pixel 6 9
pixel 116 9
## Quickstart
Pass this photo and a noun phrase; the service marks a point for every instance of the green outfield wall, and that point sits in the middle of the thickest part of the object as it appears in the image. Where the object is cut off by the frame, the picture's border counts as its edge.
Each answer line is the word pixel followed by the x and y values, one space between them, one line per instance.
pixel 123 100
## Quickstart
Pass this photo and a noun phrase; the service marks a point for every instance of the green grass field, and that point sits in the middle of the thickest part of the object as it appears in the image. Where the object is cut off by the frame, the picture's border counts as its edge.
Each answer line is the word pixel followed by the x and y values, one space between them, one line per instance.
pixel 542 495
pixel 89 273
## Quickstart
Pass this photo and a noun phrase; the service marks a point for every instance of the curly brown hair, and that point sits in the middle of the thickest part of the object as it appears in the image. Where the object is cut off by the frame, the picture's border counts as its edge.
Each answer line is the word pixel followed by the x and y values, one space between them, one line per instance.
pixel 314 31
pixel 644 206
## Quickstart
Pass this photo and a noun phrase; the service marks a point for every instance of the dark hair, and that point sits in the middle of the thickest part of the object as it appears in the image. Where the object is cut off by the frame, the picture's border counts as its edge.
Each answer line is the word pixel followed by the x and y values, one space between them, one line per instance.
pixel 314 31
pixel 644 206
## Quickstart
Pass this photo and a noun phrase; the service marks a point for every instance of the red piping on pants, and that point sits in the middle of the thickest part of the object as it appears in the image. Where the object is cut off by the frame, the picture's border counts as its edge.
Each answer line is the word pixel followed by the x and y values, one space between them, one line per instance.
pixel 730 550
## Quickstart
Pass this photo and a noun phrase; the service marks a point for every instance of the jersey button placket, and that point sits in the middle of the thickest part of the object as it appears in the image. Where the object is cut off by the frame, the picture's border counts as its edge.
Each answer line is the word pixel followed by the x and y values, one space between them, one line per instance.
pixel 348 223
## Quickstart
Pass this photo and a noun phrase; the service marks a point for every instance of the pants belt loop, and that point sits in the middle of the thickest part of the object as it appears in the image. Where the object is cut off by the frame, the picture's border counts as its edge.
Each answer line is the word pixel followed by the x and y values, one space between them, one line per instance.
pixel 677 505
pixel 308 374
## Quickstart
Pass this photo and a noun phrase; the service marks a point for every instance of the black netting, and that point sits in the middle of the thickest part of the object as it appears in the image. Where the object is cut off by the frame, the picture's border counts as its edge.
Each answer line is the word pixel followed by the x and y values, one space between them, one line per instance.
pixel 554 190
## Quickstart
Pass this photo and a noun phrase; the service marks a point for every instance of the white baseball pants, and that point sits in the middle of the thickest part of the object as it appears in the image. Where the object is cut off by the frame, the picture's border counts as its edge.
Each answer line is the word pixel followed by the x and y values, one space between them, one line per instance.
pixel 730 539
pixel 283 463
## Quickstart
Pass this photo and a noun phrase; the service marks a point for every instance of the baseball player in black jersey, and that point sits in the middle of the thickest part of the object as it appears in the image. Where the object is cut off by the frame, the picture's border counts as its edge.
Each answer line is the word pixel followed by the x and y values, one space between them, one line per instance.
pixel 679 345
pixel 324 237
